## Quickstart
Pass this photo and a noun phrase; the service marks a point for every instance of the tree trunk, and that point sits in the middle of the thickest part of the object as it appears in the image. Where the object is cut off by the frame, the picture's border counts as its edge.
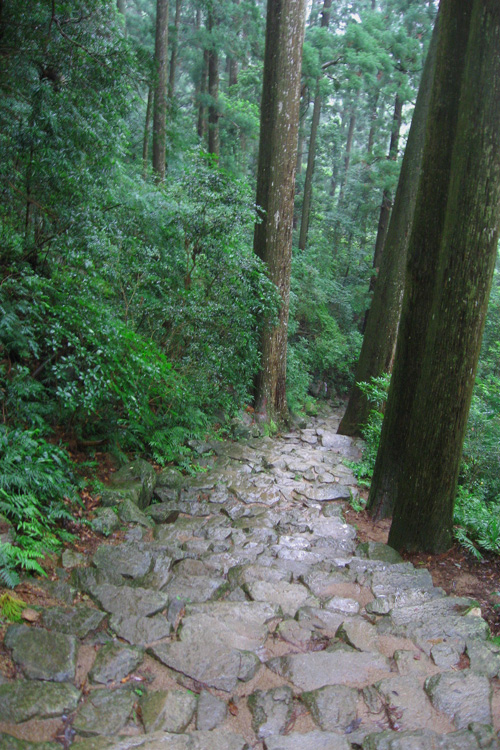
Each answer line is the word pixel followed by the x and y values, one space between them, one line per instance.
pixel 311 154
pixel 377 351
pixel 213 90
pixel 448 286
pixel 145 141
pixel 160 99
pixel 173 55
pixel 347 157
pixel 275 187
pixel 202 110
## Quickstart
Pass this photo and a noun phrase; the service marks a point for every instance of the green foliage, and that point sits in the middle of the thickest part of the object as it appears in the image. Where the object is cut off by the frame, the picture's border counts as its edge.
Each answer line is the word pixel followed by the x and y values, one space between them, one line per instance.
pixel 477 523
pixel 11 607
pixel 376 393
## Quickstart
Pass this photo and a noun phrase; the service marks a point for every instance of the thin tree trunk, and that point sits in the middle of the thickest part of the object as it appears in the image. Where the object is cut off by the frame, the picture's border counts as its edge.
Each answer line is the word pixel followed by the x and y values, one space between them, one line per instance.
pixel 275 187
pixel 145 141
pixel 202 110
pixel 213 90
pixel 160 98
pixel 311 154
pixel 173 55
pixel 347 157
pixel 459 286
pixel 377 351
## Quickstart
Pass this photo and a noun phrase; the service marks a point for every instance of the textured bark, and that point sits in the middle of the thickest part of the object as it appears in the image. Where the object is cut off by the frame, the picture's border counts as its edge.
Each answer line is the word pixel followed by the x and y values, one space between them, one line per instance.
pixel 173 54
pixel 347 156
pixel 145 140
pixel 213 90
pixel 423 510
pixel 160 94
pixel 202 110
pixel 276 186
pixel 379 341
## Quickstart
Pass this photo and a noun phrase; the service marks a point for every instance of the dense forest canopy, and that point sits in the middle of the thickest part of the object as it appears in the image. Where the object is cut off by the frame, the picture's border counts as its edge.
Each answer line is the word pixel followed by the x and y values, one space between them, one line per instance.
pixel 131 300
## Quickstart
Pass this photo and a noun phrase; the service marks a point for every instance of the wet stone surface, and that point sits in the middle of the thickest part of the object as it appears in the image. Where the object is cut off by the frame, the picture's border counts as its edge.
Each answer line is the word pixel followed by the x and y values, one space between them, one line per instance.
pixel 241 612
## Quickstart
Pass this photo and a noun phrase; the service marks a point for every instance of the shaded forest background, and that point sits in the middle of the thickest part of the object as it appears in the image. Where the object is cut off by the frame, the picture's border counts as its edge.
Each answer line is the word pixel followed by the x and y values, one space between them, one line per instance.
pixel 131 307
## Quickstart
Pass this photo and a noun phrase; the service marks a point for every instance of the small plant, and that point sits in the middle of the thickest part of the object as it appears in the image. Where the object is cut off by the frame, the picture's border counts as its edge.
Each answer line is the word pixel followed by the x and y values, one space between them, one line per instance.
pixel 477 524
pixel 376 392
pixel 11 607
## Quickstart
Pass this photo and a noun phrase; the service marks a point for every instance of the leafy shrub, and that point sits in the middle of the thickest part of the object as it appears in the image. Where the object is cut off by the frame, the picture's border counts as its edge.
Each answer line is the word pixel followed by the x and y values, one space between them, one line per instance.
pixel 376 392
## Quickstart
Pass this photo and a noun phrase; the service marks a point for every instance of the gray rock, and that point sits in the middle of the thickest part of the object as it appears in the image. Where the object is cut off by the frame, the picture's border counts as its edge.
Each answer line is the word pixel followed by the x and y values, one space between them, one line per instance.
pixel 129 512
pixel 170 478
pixel 71 559
pixel 127 559
pixel 378 551
pixel 128 601
pixel 406 702
pixel 114 662
pixel 463 696
pixel 140 630
pixel 239 625
pixel 196 589
pixel 78 621
pixel 7 742
pixel 484 658
pixel 211 711
pixel 333 707
pixel 324 584
pixel 210 661
pixel 111 497
pixel 312 671
pixel 359 634
pixel 106 521
pixel 307 741
pixel 168 741
pixel 271 710
pixel 288 596
pixel 42 654
pixel 421 739
pixel 167 710
pixel 104 712
pixel 29 699
pixel 325 493
pixel 163 512
pixel 444 655
pixel 343 605
pixel 136 472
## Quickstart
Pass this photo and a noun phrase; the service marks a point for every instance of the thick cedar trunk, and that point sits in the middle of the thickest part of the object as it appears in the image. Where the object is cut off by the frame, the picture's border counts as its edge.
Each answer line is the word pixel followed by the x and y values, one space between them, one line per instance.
pixel 275 186
pixel 160 94
pixel 453 285
pixel 379 341
pixel 213 90
pixel 173 55
pixel 145 140
pixel 311 154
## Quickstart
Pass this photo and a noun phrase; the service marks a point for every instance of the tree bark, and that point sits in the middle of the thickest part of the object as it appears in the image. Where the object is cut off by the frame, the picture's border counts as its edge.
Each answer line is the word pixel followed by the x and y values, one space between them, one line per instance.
pixel 213 89
pixel 347 156
pixel 160 98
pixel 145 140
pixel 448 286
pixel 202 110
pixel 173 54
pixel 276 185
pixel 311 154
pixel 379 341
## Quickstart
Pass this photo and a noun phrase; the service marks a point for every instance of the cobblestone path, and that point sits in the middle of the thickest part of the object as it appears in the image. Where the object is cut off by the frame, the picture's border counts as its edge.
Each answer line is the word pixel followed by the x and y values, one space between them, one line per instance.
pixel 241 612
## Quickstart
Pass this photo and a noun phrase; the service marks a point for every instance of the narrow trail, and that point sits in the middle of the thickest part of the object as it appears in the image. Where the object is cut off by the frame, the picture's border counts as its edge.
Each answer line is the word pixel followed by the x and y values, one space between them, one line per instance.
pixel 241 612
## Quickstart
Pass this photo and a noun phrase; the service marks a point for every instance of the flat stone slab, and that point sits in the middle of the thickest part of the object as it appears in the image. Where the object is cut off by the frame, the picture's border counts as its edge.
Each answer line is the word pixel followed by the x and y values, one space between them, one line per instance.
pixel 114 662
pixel 28 699
pixel 426 739
pixel 139 630
pixel 211 711
pixel 315 670
pixel 128 601
pixel 324 493
pixel 407 701
pixel 210 661
pixel 42 654
pixel 167 710
pixel 288 596
pixel 308 741
pixel 194 589
pixel 167 741
pixel 239 625
pixel 78 621
pixel 104 712
pixel 463 696
pixel 333 707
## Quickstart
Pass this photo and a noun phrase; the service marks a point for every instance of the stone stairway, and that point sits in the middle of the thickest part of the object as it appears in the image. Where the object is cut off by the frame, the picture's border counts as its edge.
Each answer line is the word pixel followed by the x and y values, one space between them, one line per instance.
pixel 240 612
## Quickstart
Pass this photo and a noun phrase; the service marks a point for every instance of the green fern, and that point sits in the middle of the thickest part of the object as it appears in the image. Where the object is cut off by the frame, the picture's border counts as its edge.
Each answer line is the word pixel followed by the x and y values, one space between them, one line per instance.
pixel 11 608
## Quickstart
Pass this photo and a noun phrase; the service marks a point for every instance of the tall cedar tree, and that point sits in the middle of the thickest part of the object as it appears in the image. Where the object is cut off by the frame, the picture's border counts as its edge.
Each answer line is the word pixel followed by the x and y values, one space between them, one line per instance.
pixel 276 186
pixel 160 89
pixel 451 261
pixel 379 341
